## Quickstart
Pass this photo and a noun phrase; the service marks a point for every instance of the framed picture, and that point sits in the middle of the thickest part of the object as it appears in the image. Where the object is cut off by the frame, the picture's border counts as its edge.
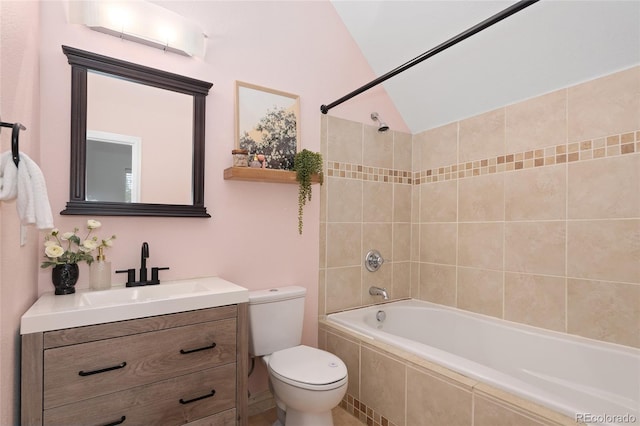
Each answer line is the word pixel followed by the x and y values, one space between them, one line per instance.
pixel 268 123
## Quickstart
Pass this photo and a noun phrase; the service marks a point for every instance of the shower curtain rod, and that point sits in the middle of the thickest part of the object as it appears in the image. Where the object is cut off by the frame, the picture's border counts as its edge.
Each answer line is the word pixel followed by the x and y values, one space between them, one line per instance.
pixel 429 53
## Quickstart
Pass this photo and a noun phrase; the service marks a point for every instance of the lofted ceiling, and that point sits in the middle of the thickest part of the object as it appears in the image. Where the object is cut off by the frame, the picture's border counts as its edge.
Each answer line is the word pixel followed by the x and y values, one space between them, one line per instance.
pixel 547 46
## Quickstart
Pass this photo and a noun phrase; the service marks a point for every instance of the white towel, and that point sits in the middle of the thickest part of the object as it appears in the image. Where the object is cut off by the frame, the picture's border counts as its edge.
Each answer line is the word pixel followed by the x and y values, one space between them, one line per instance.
pixel 8 177
pixel 30 190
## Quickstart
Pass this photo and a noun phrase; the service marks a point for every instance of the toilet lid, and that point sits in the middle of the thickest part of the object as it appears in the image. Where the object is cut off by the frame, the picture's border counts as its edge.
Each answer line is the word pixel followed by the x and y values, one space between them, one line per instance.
pixel 307 366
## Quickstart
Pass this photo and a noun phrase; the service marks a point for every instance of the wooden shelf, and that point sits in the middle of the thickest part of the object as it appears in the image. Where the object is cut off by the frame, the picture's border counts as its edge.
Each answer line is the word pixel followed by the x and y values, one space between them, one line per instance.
pixel 263 175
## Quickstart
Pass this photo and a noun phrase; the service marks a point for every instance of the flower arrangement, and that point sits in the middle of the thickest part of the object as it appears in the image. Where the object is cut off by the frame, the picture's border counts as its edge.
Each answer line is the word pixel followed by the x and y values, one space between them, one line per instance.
pixel 69 248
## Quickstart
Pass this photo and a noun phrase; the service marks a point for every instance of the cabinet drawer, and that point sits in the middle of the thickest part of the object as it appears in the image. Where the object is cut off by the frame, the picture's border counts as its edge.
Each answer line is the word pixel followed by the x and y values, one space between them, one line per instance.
pixel 170 402
pixel 77 372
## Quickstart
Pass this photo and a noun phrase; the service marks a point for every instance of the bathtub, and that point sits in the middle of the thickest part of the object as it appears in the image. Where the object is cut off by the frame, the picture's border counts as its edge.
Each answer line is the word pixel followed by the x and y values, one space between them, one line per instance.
pixel 586 380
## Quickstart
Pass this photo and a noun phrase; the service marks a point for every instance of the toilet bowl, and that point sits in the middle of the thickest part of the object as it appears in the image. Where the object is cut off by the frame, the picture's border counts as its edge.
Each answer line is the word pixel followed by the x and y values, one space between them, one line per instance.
pixel 307 383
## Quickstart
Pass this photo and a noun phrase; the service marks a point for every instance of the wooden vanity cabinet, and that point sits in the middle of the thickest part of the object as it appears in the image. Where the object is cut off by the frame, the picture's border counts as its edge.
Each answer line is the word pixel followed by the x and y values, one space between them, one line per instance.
pixel 174 369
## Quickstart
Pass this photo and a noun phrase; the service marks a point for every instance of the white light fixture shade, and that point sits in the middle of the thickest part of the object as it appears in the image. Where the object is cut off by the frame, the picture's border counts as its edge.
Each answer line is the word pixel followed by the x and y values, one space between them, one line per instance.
pixel 142 22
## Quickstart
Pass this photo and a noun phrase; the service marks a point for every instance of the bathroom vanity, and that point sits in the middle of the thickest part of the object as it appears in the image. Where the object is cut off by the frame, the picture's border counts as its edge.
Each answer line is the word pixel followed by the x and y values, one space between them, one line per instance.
pixel 100 358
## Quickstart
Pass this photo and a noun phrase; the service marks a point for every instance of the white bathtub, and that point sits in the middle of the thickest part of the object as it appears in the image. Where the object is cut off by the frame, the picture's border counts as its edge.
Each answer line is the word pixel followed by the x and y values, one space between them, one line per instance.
pixel 589 381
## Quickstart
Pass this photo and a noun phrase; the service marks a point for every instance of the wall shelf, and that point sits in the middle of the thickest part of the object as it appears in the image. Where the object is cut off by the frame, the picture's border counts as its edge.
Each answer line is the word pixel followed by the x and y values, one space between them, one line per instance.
pixel 263 175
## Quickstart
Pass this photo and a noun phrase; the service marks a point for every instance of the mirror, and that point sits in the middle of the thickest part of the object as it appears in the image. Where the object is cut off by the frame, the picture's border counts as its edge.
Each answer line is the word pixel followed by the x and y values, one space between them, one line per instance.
pixel 137 139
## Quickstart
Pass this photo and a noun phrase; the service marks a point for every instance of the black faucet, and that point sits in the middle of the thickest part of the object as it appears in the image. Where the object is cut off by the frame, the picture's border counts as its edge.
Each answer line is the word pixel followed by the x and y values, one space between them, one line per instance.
pixel 144 255
pixel 131 273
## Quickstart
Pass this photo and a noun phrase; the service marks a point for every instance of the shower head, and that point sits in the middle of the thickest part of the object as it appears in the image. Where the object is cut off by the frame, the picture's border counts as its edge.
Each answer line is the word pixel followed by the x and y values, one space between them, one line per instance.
pixel 382 126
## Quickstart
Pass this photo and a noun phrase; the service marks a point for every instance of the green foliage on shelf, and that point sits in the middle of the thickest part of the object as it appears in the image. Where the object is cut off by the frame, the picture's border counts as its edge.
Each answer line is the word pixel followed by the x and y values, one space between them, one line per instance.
pixel 306 163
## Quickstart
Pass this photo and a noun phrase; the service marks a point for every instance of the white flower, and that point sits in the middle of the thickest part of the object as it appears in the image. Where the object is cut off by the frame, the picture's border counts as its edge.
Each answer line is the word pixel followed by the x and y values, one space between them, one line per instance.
pixel 90 244
pixel 67 235
pixel 107 243
pixel 93 224
pixel 53 250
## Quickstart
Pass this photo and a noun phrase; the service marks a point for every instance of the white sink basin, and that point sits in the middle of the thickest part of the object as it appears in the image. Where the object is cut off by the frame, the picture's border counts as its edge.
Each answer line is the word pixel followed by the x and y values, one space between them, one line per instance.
pixel 86 307
pixel 145 293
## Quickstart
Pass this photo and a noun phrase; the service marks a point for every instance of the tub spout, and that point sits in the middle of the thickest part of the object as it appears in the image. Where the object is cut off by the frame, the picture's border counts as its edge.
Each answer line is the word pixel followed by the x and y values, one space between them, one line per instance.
pixel 378 291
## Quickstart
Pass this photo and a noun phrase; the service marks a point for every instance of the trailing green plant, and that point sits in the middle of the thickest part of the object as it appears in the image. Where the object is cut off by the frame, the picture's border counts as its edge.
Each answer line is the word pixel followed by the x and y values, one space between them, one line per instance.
pixel 306 163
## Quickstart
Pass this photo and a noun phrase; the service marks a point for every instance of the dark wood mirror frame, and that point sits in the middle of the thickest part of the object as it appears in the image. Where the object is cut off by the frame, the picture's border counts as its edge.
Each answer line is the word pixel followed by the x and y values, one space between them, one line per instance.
pixel 81 61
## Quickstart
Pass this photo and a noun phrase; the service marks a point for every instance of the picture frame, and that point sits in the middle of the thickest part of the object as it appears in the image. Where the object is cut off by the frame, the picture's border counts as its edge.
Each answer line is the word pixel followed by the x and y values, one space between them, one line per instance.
pixel 268 123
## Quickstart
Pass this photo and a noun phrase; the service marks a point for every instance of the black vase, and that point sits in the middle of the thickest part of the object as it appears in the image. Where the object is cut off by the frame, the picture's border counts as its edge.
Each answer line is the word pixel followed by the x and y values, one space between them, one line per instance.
pixel 65 277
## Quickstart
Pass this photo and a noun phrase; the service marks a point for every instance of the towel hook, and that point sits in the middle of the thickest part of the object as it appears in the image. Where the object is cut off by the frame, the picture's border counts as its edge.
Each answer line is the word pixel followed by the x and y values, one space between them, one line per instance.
pixel 15 135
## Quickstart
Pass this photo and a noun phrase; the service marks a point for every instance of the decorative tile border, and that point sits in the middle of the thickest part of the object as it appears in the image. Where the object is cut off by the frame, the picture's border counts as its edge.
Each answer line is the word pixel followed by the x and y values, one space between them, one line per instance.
pixel 374 174
pixel 610 146
pixel 363 413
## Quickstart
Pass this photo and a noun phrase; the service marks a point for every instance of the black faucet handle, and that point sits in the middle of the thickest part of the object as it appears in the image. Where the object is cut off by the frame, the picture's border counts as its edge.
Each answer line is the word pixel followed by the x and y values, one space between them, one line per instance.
pixel 154 273
pixel 131 275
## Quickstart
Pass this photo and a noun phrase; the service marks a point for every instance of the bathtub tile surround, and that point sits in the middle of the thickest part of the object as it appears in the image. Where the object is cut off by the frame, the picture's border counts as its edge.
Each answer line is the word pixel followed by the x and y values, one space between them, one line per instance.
pixel 529 213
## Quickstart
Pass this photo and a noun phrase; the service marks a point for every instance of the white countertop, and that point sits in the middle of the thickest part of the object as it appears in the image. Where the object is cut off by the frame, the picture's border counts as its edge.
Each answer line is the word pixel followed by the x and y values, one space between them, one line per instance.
pixel 87 307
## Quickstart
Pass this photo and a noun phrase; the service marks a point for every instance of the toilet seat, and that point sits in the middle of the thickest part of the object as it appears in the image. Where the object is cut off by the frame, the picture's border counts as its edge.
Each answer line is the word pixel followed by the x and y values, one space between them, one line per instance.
pixel 308 368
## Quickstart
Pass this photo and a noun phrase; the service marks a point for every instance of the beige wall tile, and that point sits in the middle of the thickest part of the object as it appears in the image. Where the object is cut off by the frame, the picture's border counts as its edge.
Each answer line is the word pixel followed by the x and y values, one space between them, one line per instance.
pixel 433 401
pixel 343 244
pixel 377 203
pixel 401 202
pixel 604 311
pixel 536 194
pixel 415 242
pixel 323 245
pixel 382 385
pixel 605 188
pixel 378 236
pixel 415 204
pixel 344 141
pixel 535 300
pixel 322 291
pixel 438 243
pixel 401 242
pixel 402 151
pixel 605 106
pixel 480 290
pixel 489 413
pixel 401 280
pixel 537 123
pixel 482 136
pixel 481 198
pixel 344 200
pixel 349 353
pixel 438 201
pixel 606 250
pixel 438 283
pixel 343 288
pixel 535 247
pixel 377 148
pixel 438 147
pixel 480 245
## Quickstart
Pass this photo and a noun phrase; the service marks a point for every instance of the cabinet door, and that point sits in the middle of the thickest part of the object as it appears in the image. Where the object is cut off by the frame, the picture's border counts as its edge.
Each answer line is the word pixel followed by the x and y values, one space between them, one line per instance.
pixel 170 402
pixel 77 372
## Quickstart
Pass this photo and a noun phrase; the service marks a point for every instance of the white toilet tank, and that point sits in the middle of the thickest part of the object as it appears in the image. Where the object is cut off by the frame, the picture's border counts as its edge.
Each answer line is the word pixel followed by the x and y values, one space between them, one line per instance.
pixel 275 319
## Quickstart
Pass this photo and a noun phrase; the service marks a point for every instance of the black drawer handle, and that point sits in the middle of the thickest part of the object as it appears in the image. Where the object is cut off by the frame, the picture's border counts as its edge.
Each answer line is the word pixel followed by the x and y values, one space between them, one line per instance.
pixel 103 370
pixel 190 351
pixel 118 422
pixel 209 395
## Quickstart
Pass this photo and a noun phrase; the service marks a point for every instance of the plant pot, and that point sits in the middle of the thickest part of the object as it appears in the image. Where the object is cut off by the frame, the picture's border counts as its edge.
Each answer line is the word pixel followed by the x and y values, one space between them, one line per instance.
pixel 65 277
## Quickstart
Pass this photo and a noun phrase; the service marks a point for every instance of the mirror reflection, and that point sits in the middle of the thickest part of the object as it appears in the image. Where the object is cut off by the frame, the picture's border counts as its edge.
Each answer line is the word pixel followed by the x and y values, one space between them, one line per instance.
pixel 124 117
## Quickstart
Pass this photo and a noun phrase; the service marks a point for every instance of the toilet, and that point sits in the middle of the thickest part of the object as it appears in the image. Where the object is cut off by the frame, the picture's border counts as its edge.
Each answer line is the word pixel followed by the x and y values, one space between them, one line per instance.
pixel 307 383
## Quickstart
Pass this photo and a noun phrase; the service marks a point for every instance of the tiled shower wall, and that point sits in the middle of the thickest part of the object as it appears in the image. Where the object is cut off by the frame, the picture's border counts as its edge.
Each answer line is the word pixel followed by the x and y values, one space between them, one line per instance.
pixel 530 212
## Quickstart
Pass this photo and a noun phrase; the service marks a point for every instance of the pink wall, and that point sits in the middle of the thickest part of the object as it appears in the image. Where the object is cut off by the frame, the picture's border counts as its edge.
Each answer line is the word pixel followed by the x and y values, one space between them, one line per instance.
pixel 252 238
pixel 19 98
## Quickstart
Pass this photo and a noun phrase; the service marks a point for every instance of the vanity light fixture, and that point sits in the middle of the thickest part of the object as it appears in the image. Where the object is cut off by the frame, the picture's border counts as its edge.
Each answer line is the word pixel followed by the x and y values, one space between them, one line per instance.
pixel 142 22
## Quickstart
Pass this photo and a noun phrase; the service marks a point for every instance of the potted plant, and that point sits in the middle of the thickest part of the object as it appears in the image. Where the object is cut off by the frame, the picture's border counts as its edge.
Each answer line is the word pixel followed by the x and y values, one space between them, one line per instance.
pixel 306 163
pixel 64 250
